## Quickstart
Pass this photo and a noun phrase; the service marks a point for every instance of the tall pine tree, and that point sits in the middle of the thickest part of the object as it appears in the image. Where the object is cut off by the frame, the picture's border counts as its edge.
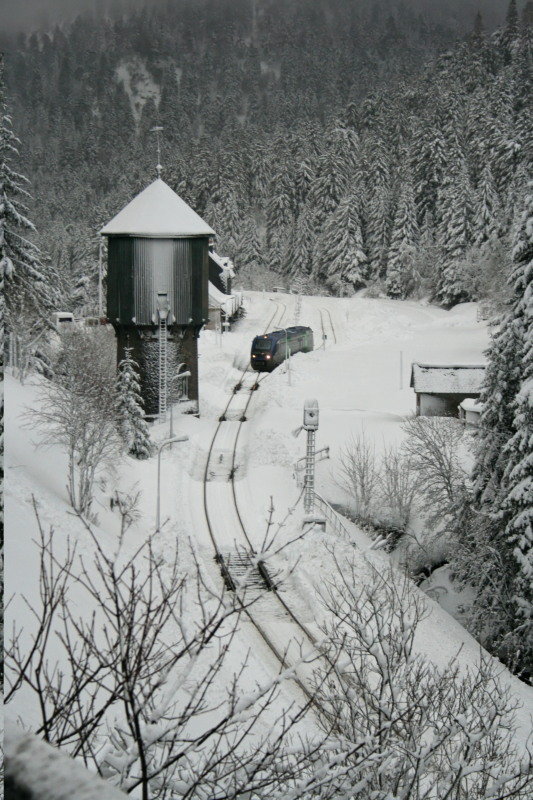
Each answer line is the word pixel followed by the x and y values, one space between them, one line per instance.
pixel 401 256
pixel 342 260
pixel 28 294
pixel 517 506
pixel 133 428
pixel 500 533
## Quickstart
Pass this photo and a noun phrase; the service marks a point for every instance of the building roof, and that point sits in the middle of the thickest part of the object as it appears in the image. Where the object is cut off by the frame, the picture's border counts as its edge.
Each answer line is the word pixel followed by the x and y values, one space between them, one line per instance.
pixel 157 212
pixel 447 378
pixel 469 404
pixel 229 303
pixel 223 262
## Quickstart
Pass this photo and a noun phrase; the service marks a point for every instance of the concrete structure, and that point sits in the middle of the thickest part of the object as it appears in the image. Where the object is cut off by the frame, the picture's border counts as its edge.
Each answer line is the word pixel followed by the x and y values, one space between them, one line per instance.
pixel 440 388
pixel 157 290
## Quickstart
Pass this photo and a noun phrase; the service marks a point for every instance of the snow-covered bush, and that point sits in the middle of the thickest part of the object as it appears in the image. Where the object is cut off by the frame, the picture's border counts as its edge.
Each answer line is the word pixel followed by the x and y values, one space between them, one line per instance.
pixel 139 687
pixel 77 409
pixel 412 730
pixel 359 476
pixel 382 490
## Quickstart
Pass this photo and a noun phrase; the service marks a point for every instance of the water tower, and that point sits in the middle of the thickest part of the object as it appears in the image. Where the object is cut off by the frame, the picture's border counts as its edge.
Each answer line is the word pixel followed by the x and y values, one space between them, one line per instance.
pixel 157 291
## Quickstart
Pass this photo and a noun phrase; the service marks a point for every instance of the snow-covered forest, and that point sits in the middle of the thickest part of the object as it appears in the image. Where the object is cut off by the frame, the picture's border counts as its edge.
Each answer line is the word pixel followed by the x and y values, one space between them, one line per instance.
pixel 282 122
pixel 379 159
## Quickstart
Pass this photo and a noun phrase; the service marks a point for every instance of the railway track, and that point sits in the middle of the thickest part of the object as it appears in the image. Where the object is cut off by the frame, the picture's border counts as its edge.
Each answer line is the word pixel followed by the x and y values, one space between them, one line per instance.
pixel 242 569
pixel 326 325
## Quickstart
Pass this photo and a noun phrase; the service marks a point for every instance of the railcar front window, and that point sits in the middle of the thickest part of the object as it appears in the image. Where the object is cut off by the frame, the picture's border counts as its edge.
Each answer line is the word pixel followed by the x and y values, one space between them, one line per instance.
pixel 262 346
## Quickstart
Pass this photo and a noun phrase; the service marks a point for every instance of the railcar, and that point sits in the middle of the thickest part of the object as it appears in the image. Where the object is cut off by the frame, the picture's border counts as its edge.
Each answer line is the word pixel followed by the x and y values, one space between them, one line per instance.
pixel 270 349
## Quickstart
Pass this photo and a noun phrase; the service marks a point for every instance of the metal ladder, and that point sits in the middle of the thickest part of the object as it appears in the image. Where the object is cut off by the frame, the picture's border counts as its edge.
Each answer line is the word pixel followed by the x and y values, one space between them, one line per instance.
pixel 162 369
pixel 309 479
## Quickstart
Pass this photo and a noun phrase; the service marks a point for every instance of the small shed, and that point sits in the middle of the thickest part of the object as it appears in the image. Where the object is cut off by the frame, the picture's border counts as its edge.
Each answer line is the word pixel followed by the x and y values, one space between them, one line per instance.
pixel 440 388
pixel 470 412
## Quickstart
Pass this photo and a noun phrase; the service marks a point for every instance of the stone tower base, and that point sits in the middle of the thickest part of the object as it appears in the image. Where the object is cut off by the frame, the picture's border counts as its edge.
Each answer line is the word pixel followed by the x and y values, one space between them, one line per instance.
pixel 182 349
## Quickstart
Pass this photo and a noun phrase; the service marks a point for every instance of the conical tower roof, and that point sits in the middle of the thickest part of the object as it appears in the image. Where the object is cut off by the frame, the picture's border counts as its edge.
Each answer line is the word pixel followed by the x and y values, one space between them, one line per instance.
pixel 157 211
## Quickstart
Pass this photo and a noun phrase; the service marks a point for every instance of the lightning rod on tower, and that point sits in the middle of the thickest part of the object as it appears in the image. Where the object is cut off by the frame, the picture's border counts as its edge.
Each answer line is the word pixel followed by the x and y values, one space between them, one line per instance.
pixel 157 130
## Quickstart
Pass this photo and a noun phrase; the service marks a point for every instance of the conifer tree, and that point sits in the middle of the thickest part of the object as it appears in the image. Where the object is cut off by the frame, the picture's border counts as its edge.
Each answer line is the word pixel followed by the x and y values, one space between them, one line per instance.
pixel 328 187
pixel 301 248
pixel 249 249
pixel 430 165
pixel 342 260
pixel 302 180
pixel 455 224
pixel 402 247
pixel 133 428
pixel 517 507
pixel 28 295
pixel 487 214
pixel 499 535
pixel 279 208
pixel 510 34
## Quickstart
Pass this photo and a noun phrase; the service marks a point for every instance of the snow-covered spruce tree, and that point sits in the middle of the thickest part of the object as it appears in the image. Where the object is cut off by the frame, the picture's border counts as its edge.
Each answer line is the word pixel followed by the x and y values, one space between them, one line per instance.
pixel 494 552
pixel 517 506
pixel 2 305
pixel 328 187
pixel 454 234
pixel 28 295
pixel 249 250
pixel 279 218
pixel 301 247
pixel 401 255
pixel 342 259
pixel 130 413
pixel 487 209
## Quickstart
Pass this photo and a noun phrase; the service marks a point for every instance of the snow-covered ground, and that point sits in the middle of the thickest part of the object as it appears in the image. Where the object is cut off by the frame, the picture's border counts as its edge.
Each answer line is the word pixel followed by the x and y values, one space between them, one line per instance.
pixel 361 384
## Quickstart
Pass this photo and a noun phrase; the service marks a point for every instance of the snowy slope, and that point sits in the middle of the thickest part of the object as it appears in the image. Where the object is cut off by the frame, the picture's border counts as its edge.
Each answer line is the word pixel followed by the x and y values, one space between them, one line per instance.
pixel 361 383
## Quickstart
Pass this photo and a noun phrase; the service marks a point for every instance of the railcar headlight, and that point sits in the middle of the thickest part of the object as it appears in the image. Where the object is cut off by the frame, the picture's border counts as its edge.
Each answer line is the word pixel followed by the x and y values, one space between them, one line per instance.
pixel 268 356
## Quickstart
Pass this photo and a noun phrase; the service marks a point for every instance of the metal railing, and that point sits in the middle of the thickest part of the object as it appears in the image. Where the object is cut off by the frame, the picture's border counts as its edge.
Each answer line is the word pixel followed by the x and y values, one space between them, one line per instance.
pixel 332 517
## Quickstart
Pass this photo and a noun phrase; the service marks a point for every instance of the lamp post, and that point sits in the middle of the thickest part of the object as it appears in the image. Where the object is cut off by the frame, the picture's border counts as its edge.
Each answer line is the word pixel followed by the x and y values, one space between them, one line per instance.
pixel 161 446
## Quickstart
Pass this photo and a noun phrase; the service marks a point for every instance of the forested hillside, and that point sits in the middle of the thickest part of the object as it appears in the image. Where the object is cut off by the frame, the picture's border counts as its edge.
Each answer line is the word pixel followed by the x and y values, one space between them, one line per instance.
pixel 353 144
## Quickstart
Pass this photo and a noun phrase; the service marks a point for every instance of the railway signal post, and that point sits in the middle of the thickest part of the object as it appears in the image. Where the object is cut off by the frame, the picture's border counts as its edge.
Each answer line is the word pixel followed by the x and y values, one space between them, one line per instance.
pixel 310 425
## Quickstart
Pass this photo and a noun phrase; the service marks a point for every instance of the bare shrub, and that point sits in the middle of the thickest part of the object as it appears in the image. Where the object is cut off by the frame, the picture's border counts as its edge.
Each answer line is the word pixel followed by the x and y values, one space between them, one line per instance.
pixel 359 475
pixel 427 731
pixel 77 409
pixel 432 446
pixel 398 487
pixel 136 688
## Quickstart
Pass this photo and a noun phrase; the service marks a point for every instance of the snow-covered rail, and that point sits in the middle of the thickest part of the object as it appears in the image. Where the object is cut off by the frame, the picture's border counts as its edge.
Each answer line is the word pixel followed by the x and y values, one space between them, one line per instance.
pixel 329 328
pixel 242 568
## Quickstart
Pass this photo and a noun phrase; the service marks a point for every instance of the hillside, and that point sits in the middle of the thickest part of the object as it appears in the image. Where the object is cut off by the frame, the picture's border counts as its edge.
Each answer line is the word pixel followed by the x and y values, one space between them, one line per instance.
pixel 361 383
pixel 347 144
